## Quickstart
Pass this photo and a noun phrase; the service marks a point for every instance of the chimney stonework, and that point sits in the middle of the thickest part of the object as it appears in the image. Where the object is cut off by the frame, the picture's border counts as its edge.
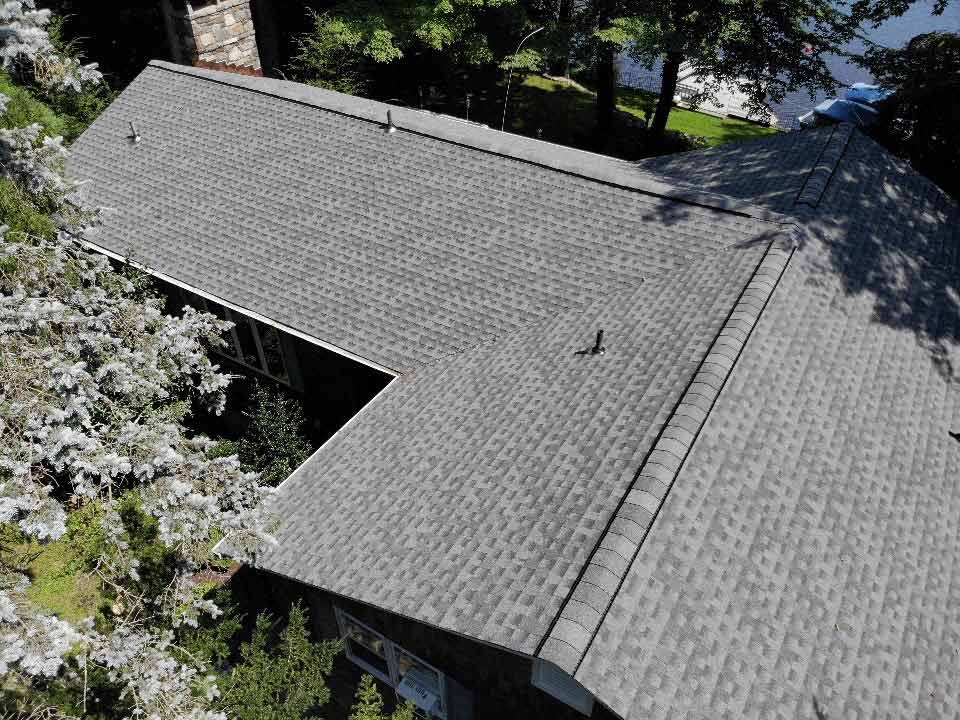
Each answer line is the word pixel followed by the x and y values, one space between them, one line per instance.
pixel 213 31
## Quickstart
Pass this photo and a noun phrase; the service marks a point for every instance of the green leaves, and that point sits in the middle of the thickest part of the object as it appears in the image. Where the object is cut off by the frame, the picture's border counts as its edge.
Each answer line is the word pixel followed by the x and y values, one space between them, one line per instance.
pixel 527 59
pixel 272 444
pixel 369 704
pixel 280 677
pixel 343 41
pixel 921 121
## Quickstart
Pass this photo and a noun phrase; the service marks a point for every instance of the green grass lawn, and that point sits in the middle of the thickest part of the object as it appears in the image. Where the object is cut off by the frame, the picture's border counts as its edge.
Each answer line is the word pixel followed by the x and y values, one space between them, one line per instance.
pixel 715 130
pixel 564 111
pixel 57 585
pixel 24 109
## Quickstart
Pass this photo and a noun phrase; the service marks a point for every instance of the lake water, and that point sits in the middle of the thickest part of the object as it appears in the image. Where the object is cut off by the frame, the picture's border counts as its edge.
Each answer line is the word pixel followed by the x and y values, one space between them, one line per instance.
pixel 894 33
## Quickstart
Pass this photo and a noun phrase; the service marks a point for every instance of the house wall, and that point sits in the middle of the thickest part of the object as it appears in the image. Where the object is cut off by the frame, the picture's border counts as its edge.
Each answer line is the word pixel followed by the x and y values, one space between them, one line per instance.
pixel 331 388
pixel 498 679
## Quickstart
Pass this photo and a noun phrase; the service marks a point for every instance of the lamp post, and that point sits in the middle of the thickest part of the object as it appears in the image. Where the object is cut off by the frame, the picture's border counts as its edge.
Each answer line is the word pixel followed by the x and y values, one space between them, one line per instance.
pixel 506 95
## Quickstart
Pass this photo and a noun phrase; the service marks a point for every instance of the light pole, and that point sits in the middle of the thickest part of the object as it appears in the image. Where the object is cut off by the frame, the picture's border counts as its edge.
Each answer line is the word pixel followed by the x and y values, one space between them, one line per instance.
pixel 506 95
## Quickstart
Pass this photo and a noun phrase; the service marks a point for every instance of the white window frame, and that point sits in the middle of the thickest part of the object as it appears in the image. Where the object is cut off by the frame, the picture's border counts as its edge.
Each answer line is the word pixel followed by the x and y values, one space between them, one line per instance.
pixel 390 650
pixel 556 683
pixel 342 619
pixel 202 304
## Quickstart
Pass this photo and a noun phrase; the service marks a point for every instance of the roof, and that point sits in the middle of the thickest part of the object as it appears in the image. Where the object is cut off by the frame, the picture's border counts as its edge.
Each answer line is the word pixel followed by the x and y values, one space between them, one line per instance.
pixel 401 248
pixel 747 506
pixel 469 494
pixel 803 561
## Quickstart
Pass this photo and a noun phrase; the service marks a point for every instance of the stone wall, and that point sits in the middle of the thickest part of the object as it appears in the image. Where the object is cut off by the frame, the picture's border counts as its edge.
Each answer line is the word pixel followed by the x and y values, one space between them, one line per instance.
pixel 214 31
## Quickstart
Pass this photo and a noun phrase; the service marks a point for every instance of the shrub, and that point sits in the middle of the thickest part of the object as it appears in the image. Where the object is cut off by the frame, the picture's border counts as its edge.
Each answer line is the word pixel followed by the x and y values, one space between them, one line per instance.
pixel 279 677
pixel 273 444
pixel 369 704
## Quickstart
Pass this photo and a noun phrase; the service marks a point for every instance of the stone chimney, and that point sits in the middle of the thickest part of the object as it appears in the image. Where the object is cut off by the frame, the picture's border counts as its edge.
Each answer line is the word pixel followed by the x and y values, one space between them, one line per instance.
pixel 212 33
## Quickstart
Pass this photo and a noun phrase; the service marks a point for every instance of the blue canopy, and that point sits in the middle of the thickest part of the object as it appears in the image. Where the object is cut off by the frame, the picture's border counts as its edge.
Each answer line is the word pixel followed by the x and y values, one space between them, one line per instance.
pixel 846 111
pixel 866 94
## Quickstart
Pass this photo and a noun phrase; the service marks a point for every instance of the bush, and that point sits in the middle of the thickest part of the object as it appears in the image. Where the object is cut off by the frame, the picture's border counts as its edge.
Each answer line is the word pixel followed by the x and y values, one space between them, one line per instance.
pixel 25 109
pixel 273 444
pixel 369 704
pixel 279 677
pixel 19 211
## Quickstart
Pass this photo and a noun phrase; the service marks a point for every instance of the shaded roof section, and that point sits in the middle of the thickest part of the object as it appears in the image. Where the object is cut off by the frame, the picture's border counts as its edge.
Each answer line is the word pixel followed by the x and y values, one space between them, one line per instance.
pixel 470 493
pixel 804 563
pixel 771 172
pixel 402 248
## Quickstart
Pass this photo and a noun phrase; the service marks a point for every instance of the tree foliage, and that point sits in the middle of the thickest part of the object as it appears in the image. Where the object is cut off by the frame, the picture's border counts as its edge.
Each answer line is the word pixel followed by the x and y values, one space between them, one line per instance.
pixel 280 676
pixel 921 120
pixel 273 444
pixel 384 30
pixel 98 382
pixel 765 49
pixel 369 704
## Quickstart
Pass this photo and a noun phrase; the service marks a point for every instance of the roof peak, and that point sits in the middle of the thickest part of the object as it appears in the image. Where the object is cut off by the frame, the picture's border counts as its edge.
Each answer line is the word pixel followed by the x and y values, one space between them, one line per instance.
pixel 588 165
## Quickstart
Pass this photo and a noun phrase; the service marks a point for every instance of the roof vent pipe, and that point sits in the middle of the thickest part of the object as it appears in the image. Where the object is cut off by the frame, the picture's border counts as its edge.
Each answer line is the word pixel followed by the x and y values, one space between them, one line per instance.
pixel 599 348
pixel 391 128
pixel 134 135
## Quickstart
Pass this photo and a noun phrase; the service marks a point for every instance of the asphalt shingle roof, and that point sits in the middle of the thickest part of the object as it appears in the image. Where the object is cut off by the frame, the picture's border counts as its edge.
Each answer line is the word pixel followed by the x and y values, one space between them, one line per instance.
pixel 470 493
pixel 804 559
pixel 746 508
pixel 402 248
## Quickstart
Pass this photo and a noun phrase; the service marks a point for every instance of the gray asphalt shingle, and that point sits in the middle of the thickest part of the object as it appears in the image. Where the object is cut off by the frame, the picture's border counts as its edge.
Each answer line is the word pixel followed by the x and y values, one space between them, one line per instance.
pixel 402 248
pixel 804 558
pixel 470 493
pixel 745 508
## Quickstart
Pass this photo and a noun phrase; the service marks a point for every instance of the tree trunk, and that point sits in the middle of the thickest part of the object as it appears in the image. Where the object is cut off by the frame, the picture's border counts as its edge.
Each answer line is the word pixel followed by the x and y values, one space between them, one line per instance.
pixel 668 88
pixel 606 71
pixel 560 63
pixel 606 88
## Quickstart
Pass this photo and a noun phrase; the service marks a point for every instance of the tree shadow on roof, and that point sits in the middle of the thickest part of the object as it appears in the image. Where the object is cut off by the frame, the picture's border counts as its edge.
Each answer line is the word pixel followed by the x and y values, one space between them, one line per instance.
pixel 885 230
pixel 892 234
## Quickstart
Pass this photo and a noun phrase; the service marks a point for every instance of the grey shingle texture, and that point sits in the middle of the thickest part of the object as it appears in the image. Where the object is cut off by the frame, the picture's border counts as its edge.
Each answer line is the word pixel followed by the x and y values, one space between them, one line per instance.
pixel 470 493
pixel 590 599
pixel 803 561
pixel 401 248
pixel 746 508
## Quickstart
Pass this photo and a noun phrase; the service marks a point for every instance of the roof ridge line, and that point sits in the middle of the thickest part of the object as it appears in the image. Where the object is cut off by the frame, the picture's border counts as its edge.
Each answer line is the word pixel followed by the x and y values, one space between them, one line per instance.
pixel 825 166
pixel 576 624
pixel 602 169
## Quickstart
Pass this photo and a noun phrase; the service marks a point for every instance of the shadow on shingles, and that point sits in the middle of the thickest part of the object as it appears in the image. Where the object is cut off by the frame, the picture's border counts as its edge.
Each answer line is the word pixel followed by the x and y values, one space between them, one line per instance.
pixel 886 231
pixel 818 710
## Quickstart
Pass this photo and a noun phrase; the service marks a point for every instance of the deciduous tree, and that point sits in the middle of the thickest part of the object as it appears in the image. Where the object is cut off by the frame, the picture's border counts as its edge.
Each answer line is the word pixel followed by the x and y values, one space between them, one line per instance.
pixel 764 49
pixel 921 119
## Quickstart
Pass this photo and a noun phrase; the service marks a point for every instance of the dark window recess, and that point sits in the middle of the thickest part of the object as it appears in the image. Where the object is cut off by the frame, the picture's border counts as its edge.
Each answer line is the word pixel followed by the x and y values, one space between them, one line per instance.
pixel 251 343
pixel 369 657
pixel 230 349
pixel 248 345
pixel 272 352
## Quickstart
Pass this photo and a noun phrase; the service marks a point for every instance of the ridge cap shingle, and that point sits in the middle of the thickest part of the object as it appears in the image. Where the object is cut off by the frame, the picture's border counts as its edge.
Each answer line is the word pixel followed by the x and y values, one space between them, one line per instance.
pixel 825 166
pixel 578 620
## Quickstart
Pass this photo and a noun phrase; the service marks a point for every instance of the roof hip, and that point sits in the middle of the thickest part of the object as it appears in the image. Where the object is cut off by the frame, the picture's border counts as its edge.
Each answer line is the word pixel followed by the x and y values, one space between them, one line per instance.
pixel 577 623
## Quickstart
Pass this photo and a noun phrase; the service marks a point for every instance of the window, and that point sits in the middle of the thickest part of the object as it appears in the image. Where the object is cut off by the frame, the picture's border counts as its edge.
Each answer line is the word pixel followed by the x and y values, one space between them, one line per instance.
pixel 419 683
pixel 554 681
pixel 412 678
pixel 249 342
pixel 365 647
